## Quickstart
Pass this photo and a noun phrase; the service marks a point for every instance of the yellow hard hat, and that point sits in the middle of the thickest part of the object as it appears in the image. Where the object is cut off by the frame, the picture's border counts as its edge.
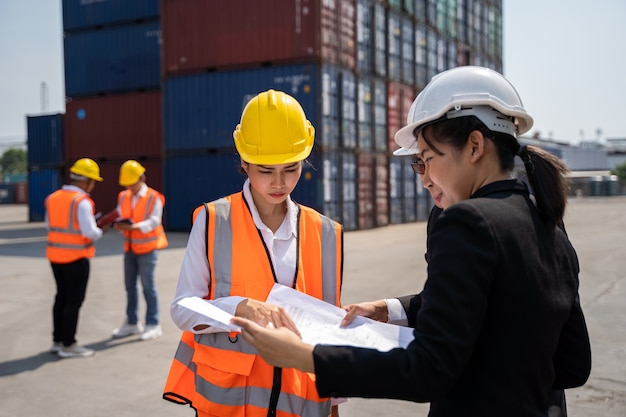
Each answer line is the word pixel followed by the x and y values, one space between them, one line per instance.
pixel 131 172
pixel 88 168
pixel 273 130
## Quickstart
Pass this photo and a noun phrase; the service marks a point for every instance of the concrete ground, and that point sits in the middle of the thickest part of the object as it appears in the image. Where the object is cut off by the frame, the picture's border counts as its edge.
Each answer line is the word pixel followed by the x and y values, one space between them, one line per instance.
pixel 125 378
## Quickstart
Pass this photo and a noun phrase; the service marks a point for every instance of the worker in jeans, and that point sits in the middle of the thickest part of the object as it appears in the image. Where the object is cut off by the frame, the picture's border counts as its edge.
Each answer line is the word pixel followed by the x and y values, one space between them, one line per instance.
pixel 140 209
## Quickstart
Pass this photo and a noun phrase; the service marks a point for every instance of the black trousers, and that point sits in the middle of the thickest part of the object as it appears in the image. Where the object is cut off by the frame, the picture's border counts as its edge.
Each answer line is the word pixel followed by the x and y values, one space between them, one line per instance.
pixel 71 282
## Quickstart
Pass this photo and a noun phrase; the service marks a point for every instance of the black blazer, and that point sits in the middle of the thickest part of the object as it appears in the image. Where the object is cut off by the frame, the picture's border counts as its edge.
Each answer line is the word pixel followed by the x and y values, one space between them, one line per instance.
pixel 498 324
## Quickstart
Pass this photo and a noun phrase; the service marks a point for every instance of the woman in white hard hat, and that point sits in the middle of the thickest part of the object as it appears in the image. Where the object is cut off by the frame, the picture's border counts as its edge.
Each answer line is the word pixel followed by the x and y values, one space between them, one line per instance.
pixel 499 322
pixel 239 247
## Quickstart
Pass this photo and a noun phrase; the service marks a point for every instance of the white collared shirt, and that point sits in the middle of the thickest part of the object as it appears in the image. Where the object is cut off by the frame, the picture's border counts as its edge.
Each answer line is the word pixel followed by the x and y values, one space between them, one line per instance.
pixel 281 245
pixel 195 276
pixel 396 312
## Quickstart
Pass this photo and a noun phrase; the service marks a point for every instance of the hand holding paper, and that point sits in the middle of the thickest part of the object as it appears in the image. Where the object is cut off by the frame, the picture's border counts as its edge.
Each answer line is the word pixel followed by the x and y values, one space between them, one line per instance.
pixel 320 322
pixel 215 317
pixel 278 347
pixel 262 313
pixel 316 320
pixel 266 314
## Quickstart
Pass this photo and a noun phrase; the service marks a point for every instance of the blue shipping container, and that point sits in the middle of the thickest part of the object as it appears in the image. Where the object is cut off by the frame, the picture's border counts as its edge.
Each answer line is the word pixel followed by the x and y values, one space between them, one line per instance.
pixel 191 179
pixel 41 183
pixel 202 110
pixel 116 59
pixel 85 14
pixel 45 140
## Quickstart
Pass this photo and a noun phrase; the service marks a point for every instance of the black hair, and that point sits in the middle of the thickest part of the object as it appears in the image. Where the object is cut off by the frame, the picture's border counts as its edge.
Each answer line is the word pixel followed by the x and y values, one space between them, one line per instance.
pixel 545 172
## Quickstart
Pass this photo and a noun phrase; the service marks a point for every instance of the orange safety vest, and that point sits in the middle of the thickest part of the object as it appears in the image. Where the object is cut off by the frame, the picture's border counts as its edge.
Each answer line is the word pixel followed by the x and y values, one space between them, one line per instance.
pixel 220 374
pixel 135 240
pixel 65 241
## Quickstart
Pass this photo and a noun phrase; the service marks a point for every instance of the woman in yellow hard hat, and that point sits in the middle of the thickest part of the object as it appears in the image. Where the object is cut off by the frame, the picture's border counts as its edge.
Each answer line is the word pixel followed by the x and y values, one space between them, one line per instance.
pixel 72 230
pixel 240 246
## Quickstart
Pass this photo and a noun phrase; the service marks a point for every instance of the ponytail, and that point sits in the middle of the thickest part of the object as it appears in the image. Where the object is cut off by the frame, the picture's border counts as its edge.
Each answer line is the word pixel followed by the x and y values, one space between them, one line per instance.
pixel 546 174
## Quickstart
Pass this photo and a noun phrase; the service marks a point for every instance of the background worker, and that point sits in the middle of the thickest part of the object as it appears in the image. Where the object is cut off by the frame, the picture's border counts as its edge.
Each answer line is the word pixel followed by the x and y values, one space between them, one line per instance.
pixel 72 231
pixel 239 247
pixel 141 210
pixel 500 322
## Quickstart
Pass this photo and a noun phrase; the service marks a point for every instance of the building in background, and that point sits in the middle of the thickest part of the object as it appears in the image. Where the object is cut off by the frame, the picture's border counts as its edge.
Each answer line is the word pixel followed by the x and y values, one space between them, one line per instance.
pixel 590 165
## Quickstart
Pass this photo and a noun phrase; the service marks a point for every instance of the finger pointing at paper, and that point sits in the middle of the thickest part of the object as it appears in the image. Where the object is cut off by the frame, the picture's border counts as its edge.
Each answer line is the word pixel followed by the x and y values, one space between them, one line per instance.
pixel 265 314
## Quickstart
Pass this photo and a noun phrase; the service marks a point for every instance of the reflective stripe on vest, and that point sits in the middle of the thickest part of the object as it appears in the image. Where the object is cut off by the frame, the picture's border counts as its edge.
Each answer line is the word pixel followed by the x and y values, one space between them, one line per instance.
pixel 223 375
pixel 258 398
pixel 65 241
pixel 135 240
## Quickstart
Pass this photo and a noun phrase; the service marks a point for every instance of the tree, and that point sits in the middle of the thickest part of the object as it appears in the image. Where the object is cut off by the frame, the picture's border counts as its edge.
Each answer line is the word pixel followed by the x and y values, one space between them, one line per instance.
pixel 620 171
pixel 13 161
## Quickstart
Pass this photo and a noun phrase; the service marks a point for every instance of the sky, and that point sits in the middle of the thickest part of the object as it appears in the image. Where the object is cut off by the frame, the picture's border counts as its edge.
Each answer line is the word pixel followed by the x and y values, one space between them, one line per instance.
pixel 566 58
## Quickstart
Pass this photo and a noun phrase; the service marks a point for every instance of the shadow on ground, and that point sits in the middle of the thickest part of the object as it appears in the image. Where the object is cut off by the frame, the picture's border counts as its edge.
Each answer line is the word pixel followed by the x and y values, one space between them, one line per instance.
pixel 31 363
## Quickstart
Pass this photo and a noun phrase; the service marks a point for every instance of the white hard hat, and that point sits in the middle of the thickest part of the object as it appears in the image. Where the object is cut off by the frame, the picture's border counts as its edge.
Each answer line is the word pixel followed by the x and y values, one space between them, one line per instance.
pixel 412 150
pixel 465 91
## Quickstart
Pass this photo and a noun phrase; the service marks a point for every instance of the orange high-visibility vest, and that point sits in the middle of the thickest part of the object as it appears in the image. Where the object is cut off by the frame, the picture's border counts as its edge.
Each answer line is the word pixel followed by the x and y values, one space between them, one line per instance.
pixel 135 240
pixel 220 374
pixel 65 241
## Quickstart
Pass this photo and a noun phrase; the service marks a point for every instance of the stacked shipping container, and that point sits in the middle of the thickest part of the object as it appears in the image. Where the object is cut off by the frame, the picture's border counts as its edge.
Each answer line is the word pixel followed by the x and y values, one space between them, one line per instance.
pixel 219 54
pixel 45 159
pixel 165 82
pixel 355 65
pixel 113 89
pixel 336 58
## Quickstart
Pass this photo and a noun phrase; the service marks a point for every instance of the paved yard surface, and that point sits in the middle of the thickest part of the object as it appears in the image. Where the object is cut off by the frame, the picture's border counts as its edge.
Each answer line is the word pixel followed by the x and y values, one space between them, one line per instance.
pixel 125 377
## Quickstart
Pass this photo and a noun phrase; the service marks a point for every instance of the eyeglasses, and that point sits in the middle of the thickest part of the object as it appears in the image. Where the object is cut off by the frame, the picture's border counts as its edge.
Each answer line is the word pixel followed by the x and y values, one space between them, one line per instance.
pixel 419 167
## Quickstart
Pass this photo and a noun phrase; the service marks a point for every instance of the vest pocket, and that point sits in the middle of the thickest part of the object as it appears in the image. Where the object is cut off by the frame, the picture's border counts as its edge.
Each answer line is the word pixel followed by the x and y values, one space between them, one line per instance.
pixel 215 350
pixel 221 375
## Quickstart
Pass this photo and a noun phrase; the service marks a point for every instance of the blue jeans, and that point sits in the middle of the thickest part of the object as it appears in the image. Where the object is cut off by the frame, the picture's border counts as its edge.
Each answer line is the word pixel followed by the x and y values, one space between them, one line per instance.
pixel 141 266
